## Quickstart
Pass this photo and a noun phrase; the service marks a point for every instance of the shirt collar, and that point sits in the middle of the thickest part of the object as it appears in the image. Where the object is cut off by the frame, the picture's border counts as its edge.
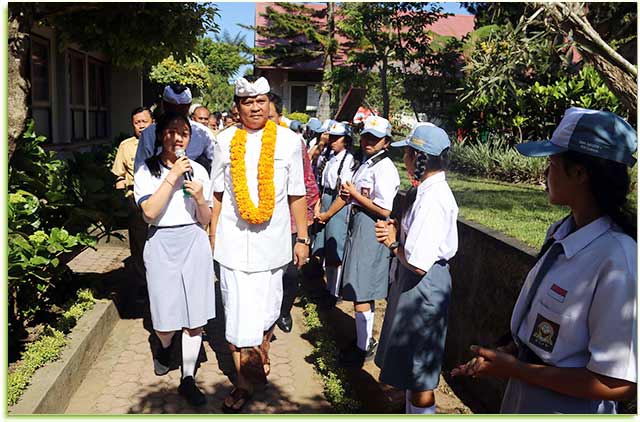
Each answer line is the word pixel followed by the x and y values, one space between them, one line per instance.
pixel 572 243
pixel 339 155
pixel 430 181
pixel 368 162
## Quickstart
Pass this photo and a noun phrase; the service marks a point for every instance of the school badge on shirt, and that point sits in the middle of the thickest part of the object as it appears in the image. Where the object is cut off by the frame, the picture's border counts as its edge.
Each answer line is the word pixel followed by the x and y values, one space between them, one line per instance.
pixel 365 192
pixel 545 333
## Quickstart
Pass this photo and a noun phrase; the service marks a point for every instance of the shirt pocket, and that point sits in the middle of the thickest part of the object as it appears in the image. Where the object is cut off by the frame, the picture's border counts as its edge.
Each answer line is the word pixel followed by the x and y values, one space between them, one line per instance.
pixel 280 176
pixel 552 330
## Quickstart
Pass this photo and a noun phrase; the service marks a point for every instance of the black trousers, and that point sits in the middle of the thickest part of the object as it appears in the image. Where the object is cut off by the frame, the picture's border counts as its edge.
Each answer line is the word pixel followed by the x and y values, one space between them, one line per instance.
pixel 290 282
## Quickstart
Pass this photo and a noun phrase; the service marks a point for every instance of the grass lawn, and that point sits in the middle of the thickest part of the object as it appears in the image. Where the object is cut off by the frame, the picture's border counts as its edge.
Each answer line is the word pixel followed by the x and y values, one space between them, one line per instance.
pixel 518 210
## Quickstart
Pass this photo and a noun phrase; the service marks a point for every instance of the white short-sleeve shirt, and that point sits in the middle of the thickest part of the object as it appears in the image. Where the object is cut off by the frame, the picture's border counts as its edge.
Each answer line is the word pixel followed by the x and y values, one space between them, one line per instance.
pixel 379 182
pixel 584 311
pixel 257 247
pixel 429 228
pixel 330 174
pixel 181 208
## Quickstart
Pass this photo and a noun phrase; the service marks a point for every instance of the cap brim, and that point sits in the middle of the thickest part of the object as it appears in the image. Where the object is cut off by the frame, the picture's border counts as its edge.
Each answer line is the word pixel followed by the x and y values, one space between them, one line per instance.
pixel 399 144
pixel 539 148
pixel 376 133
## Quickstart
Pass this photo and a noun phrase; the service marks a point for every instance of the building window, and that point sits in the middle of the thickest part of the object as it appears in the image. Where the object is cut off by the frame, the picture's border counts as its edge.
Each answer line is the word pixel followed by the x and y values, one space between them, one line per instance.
pixel 41 85
pixel 88 101
pixel 298 98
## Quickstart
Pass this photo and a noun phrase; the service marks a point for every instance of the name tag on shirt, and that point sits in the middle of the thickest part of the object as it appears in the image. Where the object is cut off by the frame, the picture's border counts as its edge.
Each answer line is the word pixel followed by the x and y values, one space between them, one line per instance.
pixel 558 293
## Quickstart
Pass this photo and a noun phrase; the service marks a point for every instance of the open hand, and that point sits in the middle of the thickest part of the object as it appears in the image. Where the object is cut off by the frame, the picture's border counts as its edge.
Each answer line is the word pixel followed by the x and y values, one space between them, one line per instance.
pixel 488 363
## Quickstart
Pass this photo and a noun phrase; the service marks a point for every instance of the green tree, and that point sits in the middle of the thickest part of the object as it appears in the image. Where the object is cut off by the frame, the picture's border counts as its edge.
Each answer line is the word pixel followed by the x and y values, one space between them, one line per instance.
pixel 308 36
pixel 132 34
pixel 389 38
pixel 192 72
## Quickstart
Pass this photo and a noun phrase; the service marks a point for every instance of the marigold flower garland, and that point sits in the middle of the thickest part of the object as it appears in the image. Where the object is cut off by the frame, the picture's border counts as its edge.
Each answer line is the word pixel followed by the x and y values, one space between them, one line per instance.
pixel 266 188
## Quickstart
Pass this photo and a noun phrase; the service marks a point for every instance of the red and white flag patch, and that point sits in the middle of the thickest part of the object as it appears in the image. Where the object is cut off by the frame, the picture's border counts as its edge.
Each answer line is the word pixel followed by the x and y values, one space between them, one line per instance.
pixel 557 292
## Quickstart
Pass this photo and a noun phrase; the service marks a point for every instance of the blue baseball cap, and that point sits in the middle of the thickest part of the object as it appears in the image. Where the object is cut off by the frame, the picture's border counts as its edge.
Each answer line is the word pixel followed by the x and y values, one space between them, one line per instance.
pixel 314 124
pixel 326 125
pixel 295 125
pixel 339 129
pixel 427 138
pixel 377 126
pixel 593 132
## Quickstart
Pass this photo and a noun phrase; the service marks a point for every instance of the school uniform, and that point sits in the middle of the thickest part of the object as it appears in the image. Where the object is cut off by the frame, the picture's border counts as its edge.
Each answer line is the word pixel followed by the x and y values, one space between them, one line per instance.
pixel 253 257
pixel 177 255
pixel 582 315
pixel 365 272
pixel 415 324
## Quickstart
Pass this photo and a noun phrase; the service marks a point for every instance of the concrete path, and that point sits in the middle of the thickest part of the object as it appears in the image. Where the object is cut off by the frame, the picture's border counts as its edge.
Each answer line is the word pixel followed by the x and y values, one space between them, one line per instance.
pixel 122 381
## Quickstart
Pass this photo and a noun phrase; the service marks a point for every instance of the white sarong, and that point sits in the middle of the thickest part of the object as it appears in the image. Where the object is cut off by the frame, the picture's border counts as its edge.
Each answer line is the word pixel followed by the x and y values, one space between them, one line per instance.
pixel 251 303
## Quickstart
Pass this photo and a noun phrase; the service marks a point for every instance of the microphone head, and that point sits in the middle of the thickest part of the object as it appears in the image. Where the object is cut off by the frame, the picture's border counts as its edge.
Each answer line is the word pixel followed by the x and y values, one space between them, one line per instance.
pixel 180 152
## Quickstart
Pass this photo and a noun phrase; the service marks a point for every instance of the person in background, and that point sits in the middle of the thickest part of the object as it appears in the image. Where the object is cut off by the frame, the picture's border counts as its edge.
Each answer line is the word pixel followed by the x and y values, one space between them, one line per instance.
pixel 291 277
pixel 573 341
pixel 123 170
pixel 296 126
pixel 414 330
pixel 177 253
pixel 214 121
pixel 312 133
pixel 365 266
pixel 201 115
pixel 177 98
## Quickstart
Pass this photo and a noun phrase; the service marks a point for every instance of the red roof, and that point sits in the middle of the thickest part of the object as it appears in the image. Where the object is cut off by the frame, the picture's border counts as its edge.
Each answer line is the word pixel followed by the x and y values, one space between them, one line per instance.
pixel 453 25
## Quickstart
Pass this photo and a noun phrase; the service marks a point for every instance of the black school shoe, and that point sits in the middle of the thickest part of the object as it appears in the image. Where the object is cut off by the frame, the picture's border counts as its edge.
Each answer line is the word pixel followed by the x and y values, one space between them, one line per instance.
pixel 354 357
pixel 285 323
pixel 162 361
pixel 191 392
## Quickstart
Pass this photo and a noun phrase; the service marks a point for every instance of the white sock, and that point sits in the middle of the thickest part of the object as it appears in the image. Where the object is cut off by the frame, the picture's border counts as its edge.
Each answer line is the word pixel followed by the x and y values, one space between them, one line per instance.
pixel 415 410
pixel 364 329
pixel 190 351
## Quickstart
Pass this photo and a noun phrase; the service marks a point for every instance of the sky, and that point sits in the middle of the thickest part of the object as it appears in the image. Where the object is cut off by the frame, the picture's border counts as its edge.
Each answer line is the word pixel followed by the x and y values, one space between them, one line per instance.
pixel 233 13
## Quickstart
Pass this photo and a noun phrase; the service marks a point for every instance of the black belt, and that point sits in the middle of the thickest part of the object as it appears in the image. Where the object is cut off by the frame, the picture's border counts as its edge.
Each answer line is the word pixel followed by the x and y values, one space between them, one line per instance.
pixel 173 227
pixel 442 262
pixel 329 191
pixel 527 355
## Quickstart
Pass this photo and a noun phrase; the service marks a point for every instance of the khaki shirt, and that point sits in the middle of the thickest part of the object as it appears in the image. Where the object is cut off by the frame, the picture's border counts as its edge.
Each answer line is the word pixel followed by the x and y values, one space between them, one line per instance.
pixel 123 164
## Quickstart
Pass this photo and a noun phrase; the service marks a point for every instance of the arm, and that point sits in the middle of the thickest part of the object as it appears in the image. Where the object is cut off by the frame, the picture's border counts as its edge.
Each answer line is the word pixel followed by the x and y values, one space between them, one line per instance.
pixel 215 215
pixel 386 233
pixel 335 207
pixel 153 206
pixel 203 212
pixel 298 207
pixel 363 201
pixel 118 170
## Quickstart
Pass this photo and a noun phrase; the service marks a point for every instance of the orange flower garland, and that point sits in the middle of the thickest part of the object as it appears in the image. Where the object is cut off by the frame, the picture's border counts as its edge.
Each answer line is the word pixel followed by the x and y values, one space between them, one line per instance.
pixel 266 188
pixel 283 124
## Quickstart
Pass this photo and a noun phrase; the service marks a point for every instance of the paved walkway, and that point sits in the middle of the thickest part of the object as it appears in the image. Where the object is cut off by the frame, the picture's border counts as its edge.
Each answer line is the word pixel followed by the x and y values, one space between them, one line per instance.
pixel 122 381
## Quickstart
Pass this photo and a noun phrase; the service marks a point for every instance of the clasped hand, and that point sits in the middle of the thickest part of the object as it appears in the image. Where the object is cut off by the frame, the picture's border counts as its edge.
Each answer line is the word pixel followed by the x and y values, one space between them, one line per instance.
pixel 347 189
pixel 386 231
pixel 488 363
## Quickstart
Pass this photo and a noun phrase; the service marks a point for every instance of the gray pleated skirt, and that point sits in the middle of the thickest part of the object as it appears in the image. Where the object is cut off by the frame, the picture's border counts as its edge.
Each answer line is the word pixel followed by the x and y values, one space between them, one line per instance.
pixel 330 239
pixel 180 277
pixel 365 268
pixel 414 330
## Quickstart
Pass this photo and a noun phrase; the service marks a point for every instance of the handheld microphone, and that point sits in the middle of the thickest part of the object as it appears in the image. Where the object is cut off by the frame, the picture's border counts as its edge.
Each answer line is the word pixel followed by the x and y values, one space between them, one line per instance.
pixel 180 153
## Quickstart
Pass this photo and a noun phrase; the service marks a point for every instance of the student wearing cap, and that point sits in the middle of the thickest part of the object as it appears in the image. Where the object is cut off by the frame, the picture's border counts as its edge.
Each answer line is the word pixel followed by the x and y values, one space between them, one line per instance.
pixel 312 133
pixel 123 170
pixel 321 153
pixel 177 255
pixel 415 323
pixel 365 265
pixel 258 179
pixel 573 345
pixel 177 99
pixel 291 277
pixel 329 241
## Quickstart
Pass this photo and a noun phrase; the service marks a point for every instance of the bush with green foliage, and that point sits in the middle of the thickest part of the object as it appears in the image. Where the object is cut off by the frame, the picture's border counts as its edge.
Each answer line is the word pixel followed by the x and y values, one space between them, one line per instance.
pixel 301 117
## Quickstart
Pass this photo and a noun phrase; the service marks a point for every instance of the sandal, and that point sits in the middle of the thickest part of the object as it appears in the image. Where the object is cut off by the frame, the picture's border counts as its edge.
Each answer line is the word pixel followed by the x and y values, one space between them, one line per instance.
pixel 252 363
pixel 237 394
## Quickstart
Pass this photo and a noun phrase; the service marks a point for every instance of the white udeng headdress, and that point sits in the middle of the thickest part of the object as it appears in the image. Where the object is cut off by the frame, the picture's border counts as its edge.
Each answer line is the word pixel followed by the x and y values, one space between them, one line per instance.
pixel 244 88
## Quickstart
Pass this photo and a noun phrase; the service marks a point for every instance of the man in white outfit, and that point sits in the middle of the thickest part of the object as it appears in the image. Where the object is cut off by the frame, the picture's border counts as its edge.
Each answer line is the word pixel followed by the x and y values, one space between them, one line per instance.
pixel 258 177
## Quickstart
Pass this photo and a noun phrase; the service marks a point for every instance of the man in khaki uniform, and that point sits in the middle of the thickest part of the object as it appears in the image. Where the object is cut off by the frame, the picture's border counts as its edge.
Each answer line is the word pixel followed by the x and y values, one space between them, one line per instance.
pixel 123 170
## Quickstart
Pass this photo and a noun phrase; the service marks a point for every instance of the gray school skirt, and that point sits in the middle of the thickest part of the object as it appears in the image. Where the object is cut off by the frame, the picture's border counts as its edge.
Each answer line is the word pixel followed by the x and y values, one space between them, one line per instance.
pixel 414 330
pixel 330 239
pixel 365 267
pixel 180 277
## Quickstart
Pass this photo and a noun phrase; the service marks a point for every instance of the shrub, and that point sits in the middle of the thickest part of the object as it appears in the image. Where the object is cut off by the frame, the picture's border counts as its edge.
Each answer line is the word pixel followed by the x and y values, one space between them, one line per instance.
pixel 301 117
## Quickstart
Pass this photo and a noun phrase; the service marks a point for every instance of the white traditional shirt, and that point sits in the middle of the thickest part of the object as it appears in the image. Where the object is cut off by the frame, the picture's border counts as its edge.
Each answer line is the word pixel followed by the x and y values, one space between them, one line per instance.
pixel 182 207
pixel 201 143
pixel 379 182
pixel 584 311
pixel 330 174
pixel 257 247
pixel 429 228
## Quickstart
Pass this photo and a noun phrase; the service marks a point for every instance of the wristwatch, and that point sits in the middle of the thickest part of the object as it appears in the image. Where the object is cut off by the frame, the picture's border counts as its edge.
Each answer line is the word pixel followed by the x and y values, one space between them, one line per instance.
pixel 305 240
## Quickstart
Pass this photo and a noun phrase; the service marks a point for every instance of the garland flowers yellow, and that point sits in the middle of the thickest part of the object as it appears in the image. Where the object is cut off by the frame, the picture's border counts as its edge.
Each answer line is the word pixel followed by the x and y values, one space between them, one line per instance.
pixel 266 188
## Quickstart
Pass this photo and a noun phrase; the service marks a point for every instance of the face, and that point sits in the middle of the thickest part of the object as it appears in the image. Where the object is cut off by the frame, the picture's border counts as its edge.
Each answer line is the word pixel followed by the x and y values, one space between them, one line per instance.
pixel 562 183
pixel 201 115
pixel 336 143
pixel 371 145
pixel 175 135
pixel 235 114
pixel 254 111
pixel 409 160
pixel 212 123
pixel 273 114
pixel 141 121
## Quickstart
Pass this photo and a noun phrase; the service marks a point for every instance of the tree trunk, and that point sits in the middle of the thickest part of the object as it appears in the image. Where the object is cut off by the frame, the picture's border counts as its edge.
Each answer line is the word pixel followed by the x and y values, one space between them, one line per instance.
pixel 324 105
pixel 619 75
pixel 384 88
pixel 18 86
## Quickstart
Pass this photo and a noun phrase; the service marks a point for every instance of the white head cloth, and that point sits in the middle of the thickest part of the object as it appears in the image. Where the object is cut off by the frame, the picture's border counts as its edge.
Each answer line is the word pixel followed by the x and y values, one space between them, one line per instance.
pixel 244 88
pixel 171 97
